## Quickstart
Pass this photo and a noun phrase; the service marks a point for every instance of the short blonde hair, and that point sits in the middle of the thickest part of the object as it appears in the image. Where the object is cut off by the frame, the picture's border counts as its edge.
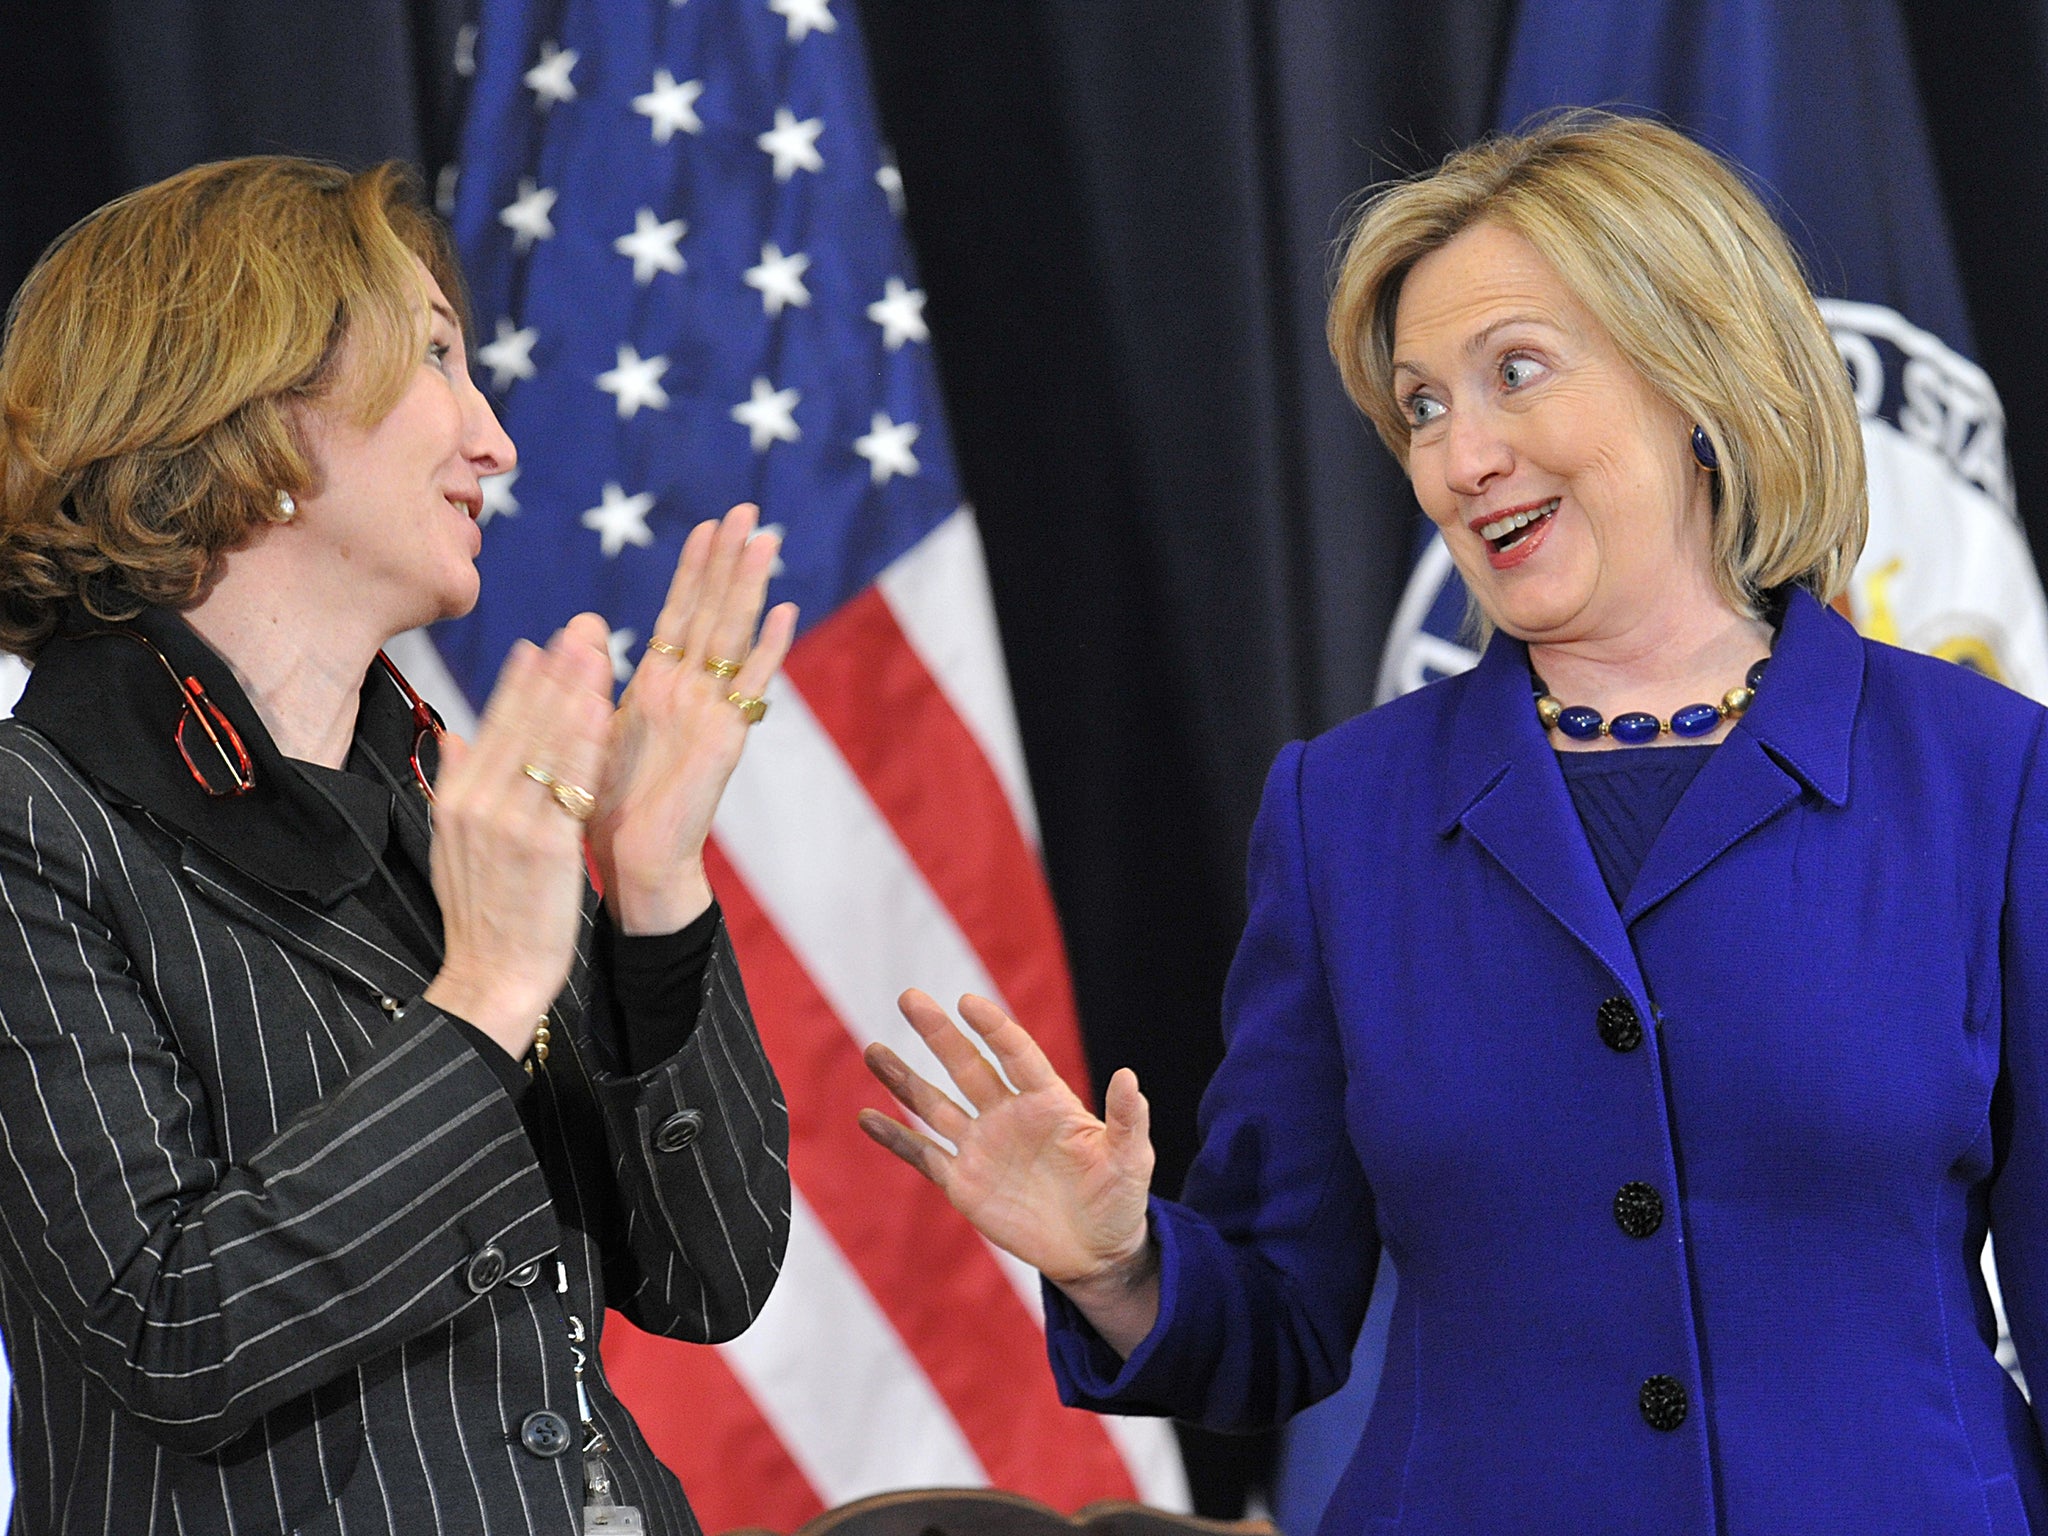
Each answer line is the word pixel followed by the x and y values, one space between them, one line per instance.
pixel 154 358
pixel 1673 253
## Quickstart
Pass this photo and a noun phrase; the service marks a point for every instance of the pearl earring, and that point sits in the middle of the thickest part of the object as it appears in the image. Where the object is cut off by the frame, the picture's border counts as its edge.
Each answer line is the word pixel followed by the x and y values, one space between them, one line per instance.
pixel 287 509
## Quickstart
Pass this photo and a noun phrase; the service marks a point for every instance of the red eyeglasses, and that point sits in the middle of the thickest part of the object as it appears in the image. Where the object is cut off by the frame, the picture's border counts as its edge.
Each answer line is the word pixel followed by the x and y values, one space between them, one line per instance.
pixel 426 722
pixel 226 741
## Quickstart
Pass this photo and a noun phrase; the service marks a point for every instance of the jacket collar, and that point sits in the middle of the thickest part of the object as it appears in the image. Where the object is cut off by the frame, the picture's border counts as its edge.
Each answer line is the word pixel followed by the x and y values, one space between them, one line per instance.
pixel 1795 740
pixel 109 705
pixel 1805 714
pixel 1504 789
pixel 1503 786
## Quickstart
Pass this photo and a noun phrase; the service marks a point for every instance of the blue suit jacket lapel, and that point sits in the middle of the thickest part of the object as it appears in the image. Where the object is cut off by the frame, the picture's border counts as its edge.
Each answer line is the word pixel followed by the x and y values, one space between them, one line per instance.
pixel 1794 741
pixel 1505 790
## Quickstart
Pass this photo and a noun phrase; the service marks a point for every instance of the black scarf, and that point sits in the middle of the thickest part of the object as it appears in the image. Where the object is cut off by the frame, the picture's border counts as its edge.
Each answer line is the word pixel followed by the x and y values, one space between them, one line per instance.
pixel 109 704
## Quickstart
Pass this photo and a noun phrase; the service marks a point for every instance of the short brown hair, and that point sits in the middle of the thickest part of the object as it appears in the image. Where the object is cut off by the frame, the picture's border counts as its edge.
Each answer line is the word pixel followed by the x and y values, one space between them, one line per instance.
pixel 152 360
pixel 1678 259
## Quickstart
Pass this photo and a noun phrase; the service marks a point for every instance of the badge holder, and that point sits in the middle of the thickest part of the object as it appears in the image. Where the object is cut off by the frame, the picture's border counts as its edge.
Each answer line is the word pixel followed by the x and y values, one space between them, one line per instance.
pixel 602 1514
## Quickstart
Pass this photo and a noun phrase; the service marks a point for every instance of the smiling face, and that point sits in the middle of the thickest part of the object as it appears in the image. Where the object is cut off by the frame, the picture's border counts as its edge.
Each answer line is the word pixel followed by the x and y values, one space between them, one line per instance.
pixel 1563 484
pixel 391 518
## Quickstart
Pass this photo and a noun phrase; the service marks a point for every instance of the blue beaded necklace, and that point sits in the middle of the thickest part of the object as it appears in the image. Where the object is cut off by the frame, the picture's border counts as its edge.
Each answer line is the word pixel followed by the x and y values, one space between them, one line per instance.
pixel 1638 726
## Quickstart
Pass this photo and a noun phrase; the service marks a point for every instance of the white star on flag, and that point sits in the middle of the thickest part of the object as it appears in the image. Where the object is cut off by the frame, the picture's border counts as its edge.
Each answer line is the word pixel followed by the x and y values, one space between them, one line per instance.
pixel 527 215
pixel 900 314
pixel 886 447
pixel 652 245
pixel 769 415
pixel 498 498
pixel 672 104
pixel 620 519
pixel 549 79
pixel 510 356
pixel 619 642
pixel 890 180
pixel 805 17
pixel 636 382
pixel 793 144
pixel 780 278
pixel 465 49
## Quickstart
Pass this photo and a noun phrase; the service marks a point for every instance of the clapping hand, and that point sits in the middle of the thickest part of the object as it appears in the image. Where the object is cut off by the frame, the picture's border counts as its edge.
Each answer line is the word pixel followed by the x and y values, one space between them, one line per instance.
pixel 680 727
pixel 554 761
pixel 507 859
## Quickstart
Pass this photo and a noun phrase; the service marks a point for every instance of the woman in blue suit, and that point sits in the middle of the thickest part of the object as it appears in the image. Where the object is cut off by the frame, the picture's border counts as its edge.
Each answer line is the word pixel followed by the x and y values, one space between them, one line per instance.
pixel 1668 996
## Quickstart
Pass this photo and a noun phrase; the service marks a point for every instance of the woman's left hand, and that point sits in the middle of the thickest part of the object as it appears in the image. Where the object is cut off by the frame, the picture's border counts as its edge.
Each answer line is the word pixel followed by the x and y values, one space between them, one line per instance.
pixel 677 736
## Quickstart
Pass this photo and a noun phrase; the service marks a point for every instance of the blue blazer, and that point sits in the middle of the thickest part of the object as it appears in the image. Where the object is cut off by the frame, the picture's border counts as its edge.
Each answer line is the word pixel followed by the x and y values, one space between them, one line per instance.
pixel 1686 1198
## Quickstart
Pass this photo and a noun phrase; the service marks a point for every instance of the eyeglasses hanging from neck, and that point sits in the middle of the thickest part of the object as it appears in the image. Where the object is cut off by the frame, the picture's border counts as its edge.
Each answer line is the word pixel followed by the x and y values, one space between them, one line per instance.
pixel 214 752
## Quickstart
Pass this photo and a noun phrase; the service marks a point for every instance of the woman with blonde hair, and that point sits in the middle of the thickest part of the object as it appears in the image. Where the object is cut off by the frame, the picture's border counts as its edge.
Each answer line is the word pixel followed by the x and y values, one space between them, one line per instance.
pixel 335 1108
pixel 1665 996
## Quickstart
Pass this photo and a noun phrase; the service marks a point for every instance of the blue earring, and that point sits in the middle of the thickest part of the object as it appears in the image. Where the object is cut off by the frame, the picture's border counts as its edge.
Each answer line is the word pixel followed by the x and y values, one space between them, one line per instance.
pixel 1703 449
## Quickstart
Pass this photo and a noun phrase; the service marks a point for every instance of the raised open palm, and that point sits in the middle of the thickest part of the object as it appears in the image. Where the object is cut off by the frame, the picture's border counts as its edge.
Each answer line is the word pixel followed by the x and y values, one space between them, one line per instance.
pixel 1033 1169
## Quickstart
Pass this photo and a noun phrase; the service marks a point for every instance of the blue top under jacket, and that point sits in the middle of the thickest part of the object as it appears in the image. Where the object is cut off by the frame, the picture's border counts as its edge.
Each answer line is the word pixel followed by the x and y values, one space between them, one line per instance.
pixel 1623 799
pixel 1686 1196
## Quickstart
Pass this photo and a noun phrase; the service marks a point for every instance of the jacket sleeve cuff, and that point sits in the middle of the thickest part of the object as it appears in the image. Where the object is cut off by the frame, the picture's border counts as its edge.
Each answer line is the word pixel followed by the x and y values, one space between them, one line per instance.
pixel 510 1071
pixel 700 1146
pixel 1092 1375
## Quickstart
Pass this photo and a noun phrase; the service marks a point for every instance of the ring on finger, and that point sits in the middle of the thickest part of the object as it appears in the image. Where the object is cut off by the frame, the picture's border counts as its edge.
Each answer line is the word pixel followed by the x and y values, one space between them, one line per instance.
pixel 579 802
pixel 720 668
pixel 752 706
pixel 656 643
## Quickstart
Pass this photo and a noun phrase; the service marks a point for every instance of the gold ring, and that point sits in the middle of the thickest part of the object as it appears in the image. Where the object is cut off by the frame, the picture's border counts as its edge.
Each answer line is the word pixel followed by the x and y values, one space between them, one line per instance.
pixel 573 798
pixel 579 802
pixel 720 668
pixel 754 708
pixel 656 643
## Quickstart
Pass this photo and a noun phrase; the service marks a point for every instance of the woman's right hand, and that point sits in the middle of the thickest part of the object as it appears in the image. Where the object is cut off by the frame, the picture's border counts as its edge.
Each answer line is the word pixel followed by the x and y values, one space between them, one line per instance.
pixel 508 857
pixel 1033 1169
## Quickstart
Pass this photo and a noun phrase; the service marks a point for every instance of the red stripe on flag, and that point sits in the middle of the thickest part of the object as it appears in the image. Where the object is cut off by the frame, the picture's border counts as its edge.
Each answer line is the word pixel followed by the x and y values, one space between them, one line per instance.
pixel 701 1422
pixel 927 1269
pixel 918 762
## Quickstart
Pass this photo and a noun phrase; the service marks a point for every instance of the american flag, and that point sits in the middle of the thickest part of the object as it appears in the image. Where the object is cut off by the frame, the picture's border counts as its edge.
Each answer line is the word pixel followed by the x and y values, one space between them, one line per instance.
pixel 691 289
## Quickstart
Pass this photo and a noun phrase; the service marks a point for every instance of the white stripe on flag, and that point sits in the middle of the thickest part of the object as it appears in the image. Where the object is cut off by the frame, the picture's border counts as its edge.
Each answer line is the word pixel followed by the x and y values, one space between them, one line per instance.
pixel 812 848
pixel 1151 1453
pixel 13 678
pixel 938 591
pixel 835 1382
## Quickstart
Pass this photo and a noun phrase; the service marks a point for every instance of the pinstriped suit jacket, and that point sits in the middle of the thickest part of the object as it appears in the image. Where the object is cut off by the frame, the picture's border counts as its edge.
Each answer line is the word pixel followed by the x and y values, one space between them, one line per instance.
pixel 244 1186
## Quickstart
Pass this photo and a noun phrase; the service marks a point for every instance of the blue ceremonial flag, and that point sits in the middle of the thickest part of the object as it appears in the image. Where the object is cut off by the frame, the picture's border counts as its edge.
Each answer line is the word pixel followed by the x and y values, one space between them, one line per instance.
pixel 1817 102
pixel 681 232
